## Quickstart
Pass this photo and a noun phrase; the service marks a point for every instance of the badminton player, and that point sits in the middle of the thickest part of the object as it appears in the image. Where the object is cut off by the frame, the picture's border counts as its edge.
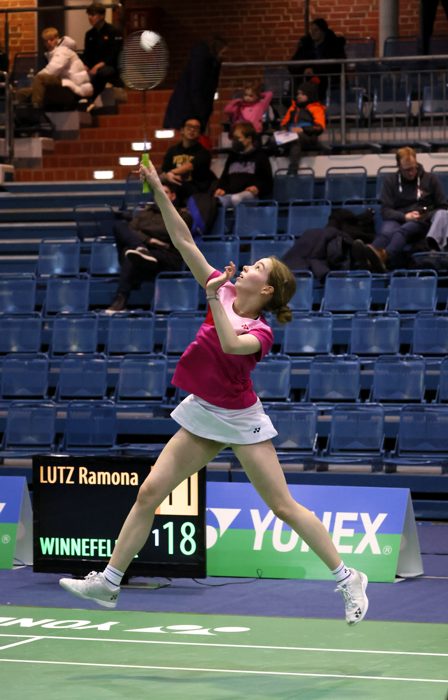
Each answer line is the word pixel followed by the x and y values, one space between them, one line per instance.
pixel 222 409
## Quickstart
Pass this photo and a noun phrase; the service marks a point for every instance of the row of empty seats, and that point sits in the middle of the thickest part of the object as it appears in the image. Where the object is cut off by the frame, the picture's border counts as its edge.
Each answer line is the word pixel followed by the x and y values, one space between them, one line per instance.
pixel 357 434
pixel 309 332
pixel 343 291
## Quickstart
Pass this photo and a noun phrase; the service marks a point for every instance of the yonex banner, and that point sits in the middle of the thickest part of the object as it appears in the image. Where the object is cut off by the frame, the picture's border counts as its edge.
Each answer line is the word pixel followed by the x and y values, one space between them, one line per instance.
pixel 372 528
pixel 16 534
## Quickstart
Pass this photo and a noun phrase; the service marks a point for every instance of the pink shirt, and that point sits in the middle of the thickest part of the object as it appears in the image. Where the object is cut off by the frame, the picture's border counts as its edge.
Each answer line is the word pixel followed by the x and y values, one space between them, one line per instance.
pixel 249 111
pixel 215 376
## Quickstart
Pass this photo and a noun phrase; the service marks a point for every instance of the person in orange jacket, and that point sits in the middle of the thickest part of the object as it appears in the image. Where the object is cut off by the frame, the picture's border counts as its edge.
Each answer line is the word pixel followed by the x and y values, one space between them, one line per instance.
pixel 306 118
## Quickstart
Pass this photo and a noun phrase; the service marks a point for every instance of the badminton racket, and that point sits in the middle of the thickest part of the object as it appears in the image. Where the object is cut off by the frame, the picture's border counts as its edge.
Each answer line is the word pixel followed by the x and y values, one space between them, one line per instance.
pixel 143 66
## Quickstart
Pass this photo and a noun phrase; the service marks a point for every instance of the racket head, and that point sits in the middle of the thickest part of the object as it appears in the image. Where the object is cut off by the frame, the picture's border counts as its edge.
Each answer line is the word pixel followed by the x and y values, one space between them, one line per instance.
pixel 141 69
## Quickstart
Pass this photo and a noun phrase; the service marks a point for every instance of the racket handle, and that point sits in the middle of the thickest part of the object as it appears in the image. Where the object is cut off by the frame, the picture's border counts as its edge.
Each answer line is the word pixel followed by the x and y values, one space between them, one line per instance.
pixel 144 160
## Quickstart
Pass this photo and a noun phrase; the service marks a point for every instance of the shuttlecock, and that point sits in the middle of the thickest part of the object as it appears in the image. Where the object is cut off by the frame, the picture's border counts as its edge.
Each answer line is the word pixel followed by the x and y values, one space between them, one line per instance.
pixel 148 40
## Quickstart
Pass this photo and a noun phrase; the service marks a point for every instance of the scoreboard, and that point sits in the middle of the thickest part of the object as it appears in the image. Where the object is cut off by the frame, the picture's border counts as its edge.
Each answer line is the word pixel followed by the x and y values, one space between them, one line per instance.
pixel 80 504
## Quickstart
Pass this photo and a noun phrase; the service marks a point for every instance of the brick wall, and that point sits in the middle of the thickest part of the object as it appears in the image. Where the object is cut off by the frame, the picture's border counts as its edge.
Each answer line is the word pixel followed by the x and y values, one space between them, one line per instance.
pixel 22 27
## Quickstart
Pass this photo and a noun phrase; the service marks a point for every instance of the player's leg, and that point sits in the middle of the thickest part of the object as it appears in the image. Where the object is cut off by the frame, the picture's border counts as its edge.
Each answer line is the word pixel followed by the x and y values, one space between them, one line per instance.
pixel 261 464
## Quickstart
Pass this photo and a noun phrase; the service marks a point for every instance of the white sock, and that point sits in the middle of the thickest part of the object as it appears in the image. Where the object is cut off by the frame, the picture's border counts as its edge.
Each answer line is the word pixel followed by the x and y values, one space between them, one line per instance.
pixel 342 574
pixel 113 576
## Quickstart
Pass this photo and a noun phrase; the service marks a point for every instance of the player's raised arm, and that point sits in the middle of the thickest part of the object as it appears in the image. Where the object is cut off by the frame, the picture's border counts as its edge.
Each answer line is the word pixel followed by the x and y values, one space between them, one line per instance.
pixel 177 229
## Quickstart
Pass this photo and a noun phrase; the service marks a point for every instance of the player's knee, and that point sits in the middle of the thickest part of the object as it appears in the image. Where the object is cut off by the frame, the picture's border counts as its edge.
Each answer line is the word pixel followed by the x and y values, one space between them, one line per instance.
pixel 284 510
pixel 147 497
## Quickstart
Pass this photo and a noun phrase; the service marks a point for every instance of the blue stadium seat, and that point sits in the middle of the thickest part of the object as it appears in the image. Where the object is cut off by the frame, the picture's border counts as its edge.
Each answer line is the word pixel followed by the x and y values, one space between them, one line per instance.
pixel 20 333
pixel 334 378
pixel 134 195
pixel 422 438
pixel 442 174
pixel 308 334
pixel 303 296
pixel 398 378
pixel 181 329
pixel 219 226
pixel 307 215
pixel 142 378
pixel 220 250
pixel 67 295
pixel 442 390
pixel 82 377
pixel 294 187
pixel 175 291
pixel 103 257
pixel 272 378
pixel 93 221
pixel 430 333
pixel 380 175
pixel 356 436
pixel 130 333
pixel 74 333
pixel 24 377
pixel 392 99
pixel 435 100
pixel 347 291
pixel 256 218
pixel 59 257
pixel 265 247
pixel 17 293
pixel 345 183
pixel 297 432
pixel 375 333
pixel 90 428
pixel 30 429
pixel 412 290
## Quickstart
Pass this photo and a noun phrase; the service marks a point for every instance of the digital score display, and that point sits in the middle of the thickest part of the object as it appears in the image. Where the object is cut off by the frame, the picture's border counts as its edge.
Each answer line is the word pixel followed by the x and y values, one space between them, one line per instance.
pixel 80 504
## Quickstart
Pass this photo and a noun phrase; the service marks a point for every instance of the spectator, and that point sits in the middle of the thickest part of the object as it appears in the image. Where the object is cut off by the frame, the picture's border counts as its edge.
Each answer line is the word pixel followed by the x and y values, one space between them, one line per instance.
pixel 195 90
pixel 320 44
pixel 413 208
pixel 247 171
pixel 186 166
pixel 428 11
pixel 64 68
pixel 144 250
pixel 102 46
pixel 250 107
pixel 306 118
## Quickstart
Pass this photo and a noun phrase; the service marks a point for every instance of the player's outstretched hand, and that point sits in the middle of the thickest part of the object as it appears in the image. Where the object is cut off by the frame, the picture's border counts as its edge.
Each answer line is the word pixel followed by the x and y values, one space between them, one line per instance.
pixel 149 174
pixel 216 282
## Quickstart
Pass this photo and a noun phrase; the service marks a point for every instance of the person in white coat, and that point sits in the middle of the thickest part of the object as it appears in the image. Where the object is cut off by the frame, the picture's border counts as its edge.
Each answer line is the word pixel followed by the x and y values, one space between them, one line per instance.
pixel 64 68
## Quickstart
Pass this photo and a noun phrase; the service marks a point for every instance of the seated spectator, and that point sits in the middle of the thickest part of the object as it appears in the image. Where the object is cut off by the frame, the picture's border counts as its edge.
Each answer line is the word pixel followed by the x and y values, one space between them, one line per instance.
pixel 306 118
pixel 247 172
pixel 250 107
pixel 413 209
pixel 102 46
pixel 64 69
pixel 186 166
pixel 321 43
pixel 144 250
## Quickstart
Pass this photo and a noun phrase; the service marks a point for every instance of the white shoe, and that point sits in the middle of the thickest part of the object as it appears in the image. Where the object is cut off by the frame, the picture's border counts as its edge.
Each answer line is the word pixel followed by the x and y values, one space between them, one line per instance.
pixel 92 587
pixel 355 599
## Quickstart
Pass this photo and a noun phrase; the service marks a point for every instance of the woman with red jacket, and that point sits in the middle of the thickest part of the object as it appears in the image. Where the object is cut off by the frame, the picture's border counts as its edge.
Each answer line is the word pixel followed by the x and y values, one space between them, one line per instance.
pixel 306 118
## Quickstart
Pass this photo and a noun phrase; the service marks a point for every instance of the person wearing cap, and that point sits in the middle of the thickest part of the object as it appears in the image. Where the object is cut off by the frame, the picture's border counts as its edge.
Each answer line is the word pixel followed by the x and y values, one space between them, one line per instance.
pixel 102 46
pixel 306 118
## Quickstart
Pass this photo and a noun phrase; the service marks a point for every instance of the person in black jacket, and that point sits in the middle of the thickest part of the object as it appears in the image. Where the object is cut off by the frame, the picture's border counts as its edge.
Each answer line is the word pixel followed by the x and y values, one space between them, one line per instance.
pixel 144 249
pixel 186 166
pixel 102 46
pixel 247 171
pixel 194 92
pixel 413 208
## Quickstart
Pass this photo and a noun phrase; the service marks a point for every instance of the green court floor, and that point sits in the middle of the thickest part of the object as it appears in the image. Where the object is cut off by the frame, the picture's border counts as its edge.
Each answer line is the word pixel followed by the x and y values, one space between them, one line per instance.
pixel 76 654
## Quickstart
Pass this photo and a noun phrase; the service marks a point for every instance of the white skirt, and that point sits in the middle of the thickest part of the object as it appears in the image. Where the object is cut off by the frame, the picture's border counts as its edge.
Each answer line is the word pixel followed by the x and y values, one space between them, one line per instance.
pixel 243 426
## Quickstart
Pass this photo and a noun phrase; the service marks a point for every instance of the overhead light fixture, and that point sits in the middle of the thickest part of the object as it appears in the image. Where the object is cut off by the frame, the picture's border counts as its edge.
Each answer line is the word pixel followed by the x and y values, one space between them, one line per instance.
pixel 141 146
pixel 164 134
pixel 129 160
pixel 216 96
pixel 103 174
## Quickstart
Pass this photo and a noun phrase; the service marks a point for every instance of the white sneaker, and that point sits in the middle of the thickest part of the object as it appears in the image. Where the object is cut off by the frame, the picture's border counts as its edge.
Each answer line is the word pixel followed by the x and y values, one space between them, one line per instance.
pixel 92 587
pixel 354 594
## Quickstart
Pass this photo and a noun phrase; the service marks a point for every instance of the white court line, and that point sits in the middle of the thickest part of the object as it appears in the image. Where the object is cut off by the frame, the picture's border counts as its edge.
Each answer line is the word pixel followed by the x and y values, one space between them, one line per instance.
pixel 294 674
pixel 234 646
pixel 17 644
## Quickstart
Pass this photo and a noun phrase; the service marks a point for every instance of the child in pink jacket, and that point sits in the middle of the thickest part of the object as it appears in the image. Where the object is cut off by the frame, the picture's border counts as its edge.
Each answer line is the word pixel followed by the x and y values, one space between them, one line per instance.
pixel 250 107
